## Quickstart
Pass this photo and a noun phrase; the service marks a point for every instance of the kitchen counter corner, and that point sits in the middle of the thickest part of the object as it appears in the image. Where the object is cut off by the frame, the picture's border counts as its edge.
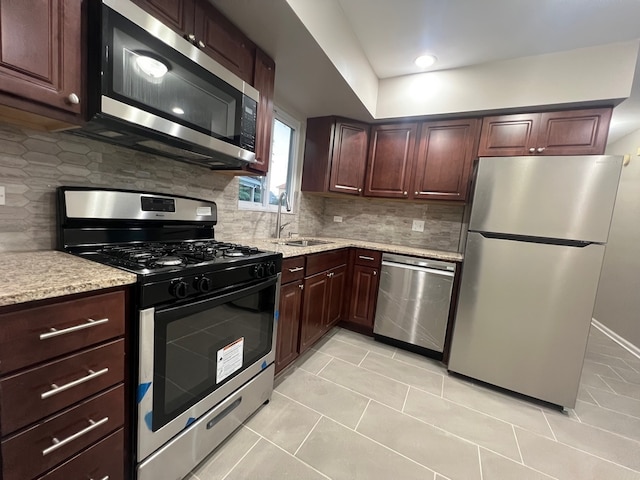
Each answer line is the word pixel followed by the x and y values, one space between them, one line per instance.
pixel 29 276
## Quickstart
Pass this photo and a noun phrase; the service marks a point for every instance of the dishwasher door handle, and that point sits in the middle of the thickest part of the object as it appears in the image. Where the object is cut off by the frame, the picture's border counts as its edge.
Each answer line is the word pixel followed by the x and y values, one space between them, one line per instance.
pixel 435 271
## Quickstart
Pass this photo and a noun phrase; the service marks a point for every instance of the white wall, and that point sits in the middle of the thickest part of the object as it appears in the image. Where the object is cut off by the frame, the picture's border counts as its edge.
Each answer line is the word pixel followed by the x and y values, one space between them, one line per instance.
pixel 618 299
pixel 587 74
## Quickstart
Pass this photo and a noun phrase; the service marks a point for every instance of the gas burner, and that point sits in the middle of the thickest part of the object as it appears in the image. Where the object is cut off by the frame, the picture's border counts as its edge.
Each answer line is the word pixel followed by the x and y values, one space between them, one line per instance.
pixel 168 261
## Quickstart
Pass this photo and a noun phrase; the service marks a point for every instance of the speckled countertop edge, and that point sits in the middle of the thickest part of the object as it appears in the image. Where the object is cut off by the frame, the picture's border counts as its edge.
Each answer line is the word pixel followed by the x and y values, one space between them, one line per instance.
pixel 271 244
pixel 29 276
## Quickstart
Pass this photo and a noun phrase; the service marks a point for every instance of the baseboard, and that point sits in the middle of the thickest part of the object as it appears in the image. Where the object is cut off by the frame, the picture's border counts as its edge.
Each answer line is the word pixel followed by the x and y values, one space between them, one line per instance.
pixel 627 345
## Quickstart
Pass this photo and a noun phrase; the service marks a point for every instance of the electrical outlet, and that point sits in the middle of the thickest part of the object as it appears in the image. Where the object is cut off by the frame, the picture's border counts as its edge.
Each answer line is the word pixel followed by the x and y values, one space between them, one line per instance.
pixel 337 219
pixel 2 196
pixel 418 226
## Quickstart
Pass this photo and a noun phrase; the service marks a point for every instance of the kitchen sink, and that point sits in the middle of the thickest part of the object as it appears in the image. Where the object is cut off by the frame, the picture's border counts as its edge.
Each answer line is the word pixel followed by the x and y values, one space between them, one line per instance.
pixel 302 243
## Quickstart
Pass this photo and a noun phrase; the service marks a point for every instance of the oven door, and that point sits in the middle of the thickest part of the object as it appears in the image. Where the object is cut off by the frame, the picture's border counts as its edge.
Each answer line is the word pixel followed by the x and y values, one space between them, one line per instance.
pixel 194 355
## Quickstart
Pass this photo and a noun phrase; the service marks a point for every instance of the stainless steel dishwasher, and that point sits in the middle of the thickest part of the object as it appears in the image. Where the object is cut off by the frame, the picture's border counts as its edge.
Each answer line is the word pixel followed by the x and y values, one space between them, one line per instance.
pixel 413 300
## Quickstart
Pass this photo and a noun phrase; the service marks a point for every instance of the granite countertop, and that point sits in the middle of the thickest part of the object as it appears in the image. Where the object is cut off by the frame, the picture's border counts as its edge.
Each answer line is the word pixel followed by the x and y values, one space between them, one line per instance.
pixel 271 244
pixel 28 276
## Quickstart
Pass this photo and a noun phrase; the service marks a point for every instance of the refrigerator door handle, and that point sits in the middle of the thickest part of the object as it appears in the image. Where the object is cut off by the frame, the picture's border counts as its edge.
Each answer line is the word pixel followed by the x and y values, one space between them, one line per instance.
pixel 543 240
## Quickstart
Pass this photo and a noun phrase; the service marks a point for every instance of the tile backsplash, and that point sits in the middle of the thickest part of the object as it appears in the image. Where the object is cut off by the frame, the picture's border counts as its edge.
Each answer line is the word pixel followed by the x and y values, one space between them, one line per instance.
pixel 33 164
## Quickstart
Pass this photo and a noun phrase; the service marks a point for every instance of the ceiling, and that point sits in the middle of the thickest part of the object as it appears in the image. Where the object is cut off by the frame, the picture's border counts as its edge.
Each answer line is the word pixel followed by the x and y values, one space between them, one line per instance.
pixel 392 33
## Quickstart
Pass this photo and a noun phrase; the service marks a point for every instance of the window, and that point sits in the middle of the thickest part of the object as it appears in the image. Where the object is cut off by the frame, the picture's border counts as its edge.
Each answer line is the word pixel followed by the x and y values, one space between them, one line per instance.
pixel 262 193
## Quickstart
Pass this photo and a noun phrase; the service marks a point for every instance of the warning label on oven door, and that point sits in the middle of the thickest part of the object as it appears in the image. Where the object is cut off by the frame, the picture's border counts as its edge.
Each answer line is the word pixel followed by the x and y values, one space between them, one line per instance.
pixel 229 359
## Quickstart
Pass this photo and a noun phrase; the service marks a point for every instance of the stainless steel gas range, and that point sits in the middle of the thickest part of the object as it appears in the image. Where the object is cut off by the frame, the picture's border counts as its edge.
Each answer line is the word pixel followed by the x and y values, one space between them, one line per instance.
pixel 204 318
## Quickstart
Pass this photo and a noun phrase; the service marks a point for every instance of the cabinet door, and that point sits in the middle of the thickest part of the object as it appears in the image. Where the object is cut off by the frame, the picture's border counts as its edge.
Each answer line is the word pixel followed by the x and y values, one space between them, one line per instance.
pixel 40 51
pixel 314 309
pixel 264 81
pixel 364 292
pixel 349 157
pixel 508 135
pixel 224 42
pixel 578 132
pixel 335 296
pixel 445 155
pixel 391 153
pixel 175 14
pixel 288 324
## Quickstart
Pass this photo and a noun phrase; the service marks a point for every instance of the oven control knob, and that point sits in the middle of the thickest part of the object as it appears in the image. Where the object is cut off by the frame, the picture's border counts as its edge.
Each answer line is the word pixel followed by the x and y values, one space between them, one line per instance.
pixel 271 268
pixel 178 289
pixel 258 271
pixel 203 284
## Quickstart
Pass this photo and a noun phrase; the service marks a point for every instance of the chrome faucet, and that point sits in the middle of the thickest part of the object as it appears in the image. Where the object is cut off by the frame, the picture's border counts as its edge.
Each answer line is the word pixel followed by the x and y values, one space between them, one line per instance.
pixel 279 225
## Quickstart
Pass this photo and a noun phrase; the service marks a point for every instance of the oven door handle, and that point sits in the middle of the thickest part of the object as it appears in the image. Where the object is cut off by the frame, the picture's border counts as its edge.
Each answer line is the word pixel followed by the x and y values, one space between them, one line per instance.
pixel 226 297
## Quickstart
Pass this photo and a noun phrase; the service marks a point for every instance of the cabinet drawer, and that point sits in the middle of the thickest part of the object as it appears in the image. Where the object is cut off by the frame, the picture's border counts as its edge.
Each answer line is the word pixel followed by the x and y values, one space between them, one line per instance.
pixel 75 377
pixel 102 460
pixel 319 262
pixel 36 334
pixel 34 451
pixel 292 269
pixel 368 258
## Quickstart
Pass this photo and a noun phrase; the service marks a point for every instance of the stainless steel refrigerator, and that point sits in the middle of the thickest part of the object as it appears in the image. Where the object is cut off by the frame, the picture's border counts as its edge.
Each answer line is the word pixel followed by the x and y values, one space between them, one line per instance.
pixel 532 261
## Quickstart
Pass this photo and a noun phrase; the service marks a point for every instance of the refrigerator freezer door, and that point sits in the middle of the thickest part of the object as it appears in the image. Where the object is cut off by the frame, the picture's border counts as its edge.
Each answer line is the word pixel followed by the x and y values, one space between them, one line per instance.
pixel 524 314
pixel 568 198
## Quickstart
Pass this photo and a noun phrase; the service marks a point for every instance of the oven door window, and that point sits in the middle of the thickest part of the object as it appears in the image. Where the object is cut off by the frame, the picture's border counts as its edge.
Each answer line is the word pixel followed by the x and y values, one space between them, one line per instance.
pixel 200 347
pixel 142 71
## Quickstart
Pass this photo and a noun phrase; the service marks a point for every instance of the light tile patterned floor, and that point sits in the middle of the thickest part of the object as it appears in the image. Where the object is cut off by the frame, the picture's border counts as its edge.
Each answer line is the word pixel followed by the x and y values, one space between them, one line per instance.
pixel 353 409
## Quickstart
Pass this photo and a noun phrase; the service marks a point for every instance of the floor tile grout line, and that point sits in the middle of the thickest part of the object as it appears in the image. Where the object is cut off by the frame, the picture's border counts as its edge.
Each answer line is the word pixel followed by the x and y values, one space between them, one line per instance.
pixel 549 425
pixel 362 416
pixel 406 395
pixel 551 477
pixel 617 411
pixel 513 429
pixel 307 435
pixel 611 390
pixel 390 449
pixel 363 358
pixel 243 456
pixel 297 458
pixel 577 416
pixel 631 366
pixel 316 411
pixel 608 366
pixel 325 366
pixel 480 463
pixel 418 366
pixel 355 344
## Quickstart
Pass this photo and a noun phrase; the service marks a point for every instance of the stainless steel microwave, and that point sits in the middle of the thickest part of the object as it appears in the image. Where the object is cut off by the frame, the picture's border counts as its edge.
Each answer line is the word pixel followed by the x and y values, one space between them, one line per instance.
pixel 151 90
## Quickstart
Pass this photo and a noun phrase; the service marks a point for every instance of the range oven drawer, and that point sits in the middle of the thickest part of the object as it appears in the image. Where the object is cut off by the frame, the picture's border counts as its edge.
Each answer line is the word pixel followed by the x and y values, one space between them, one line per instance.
pixel 33 394
pixel 74 430
pixel 37 334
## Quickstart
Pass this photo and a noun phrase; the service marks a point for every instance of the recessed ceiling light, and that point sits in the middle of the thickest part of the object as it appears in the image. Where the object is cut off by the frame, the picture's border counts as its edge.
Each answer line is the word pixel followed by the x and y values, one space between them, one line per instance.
pixel 177 111
pixel 424 61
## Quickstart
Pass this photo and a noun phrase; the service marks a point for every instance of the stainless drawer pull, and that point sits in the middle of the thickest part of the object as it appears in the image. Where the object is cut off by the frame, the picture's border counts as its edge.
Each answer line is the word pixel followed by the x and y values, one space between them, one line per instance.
pixel 297 269
pixel 61 443
pixel 55 333
pixel 362 257
pixel 103 478
pixel 55 389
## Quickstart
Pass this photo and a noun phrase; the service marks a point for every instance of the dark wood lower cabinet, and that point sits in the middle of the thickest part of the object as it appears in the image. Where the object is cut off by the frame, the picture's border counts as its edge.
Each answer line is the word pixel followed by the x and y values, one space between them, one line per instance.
pixel 314 309
pixel 335 296
pixel 288 324
pixel 364 292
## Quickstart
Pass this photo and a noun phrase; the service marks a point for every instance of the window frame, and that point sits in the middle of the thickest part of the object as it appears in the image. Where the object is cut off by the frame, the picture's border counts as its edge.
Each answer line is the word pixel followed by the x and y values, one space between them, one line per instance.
pixel 293 123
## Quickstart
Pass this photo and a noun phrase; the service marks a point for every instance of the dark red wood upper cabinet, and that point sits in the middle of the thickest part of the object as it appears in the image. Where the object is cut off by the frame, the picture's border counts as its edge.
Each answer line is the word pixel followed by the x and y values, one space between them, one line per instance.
pixel 335 155
pixel 445 156
pixel 577 132
pixel 508 135
pixel 391 151
pixel 264 81
pixel 40 52
pixel 175 14
pixel 571 132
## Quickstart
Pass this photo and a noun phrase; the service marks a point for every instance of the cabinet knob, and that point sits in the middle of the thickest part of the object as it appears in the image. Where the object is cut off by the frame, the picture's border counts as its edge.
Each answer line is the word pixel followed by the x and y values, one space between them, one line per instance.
pixel 532 150
pixel 73 99
pixel 359 190
pixel 191 37
pixel 375 273
pixel 201 44
pixel 405 194
pixel 416 193
pixel 540 149
pixel 301 286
